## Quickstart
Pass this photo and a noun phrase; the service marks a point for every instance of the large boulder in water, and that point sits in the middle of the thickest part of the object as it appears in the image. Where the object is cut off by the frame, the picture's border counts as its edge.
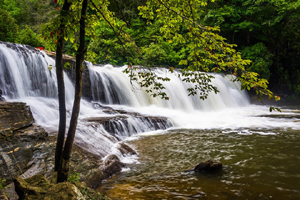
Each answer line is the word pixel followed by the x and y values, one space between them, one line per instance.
pixel 208 166
pixel 112 165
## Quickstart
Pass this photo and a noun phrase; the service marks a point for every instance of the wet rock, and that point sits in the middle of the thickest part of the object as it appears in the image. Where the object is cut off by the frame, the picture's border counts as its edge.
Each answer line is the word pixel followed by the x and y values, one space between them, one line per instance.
pixel 35 186
pixel 20 152
pixel 30 151
pixel 208 166
pixel 3 196
pixel 111 166
pixel 1 98
pixel 14 116
pixel 38 187
pixel 20 47
pixel 126 150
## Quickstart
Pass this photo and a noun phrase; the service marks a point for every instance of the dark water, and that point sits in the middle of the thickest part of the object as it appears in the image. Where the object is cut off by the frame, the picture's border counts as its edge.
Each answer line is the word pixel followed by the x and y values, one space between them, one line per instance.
pixel 255 166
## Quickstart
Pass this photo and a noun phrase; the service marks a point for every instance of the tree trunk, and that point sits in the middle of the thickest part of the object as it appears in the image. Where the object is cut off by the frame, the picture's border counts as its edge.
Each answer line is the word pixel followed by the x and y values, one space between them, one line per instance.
pixel 61 87
pixel 63 170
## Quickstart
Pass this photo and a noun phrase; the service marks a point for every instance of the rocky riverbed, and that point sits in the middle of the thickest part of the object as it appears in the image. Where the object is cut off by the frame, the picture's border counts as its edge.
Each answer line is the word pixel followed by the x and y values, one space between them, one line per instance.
pixel 26 149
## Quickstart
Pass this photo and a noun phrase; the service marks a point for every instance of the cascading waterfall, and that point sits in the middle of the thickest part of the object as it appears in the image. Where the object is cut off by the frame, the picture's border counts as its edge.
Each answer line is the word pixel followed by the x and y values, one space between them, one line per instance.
pixel 111 86
pixel 28 75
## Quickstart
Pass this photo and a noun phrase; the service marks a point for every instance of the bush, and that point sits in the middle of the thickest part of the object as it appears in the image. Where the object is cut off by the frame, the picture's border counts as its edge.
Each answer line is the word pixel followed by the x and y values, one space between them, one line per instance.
pixel 8 27
pixel 261 59
pixel 27 36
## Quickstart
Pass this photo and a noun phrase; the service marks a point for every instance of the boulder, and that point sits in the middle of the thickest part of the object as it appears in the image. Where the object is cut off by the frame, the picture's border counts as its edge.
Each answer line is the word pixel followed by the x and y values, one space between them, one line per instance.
pixel 20 152
pixel 14 115
pixel 126 150
pixel 208 166
pixel 112 165
pixel 38 187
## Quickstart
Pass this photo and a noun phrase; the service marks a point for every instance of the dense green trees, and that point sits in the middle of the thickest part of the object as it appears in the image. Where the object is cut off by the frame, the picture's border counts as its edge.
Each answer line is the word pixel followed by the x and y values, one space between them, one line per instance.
pixel 21 20
pixel 267 32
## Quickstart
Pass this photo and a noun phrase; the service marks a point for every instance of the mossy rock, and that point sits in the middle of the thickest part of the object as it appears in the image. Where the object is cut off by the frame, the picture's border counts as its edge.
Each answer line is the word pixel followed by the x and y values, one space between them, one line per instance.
pixel 38 187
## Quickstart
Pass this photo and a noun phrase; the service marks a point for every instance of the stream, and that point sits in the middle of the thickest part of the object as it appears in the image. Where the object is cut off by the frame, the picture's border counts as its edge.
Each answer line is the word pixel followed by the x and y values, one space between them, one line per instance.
pixel 257 164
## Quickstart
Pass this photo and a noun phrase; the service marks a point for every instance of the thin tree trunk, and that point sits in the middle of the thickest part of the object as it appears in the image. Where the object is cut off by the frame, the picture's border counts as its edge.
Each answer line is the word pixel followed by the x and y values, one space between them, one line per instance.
pixel 61 87
pixel 62 174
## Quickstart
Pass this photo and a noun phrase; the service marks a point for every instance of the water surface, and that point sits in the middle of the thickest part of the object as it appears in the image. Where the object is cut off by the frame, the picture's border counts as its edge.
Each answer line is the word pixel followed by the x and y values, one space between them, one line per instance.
pixel 257 164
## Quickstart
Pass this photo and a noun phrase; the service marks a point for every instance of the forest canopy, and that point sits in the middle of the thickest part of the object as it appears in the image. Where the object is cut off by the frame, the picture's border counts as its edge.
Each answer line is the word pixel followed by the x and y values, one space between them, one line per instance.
pixel 265 32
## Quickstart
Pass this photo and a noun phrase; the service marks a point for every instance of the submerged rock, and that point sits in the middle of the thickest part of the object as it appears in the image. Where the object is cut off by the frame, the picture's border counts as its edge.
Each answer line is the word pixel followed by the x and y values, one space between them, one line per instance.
pixel 208 166
pixel 126 150
pixel 38 187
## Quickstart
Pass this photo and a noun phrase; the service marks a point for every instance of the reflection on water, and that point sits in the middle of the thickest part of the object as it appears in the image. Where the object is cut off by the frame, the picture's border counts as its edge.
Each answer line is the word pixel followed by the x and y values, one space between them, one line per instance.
pixel 255 166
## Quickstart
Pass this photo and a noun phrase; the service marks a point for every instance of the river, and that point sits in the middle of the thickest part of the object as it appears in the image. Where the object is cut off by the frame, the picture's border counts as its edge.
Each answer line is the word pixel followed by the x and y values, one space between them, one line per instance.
pixel 257 164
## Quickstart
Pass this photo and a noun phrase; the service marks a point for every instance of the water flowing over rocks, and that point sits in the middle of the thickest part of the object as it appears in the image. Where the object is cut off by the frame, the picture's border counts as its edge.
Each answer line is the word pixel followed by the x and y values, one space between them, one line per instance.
pixel 69 62
pixel 118 122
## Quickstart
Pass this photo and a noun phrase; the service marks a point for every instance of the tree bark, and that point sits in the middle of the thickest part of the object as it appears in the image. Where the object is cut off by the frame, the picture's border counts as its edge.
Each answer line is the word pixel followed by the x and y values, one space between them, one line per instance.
pixel 63 170
pixel 61 87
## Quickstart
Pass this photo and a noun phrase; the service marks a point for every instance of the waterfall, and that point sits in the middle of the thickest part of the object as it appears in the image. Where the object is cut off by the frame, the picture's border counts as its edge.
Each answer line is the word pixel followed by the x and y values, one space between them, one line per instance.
pixel 111 86
pixel 28 75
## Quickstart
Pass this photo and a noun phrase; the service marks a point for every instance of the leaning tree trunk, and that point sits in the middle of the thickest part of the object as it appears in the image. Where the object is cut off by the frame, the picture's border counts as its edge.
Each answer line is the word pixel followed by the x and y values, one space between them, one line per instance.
pixel 62 174
pixel 61 86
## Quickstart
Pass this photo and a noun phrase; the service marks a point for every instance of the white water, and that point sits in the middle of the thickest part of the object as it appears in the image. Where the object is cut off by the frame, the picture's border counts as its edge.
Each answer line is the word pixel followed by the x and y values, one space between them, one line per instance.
pixel 25 77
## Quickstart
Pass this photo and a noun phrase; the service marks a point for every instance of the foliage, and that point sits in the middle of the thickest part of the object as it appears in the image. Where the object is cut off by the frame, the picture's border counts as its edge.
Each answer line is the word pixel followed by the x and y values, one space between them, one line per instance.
pixel 27 36
pixel 273 23
pixel 2 184
pixel 261 59
pixel 30 13
pixel 74 178
pixel 208 51
pixel 8 27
